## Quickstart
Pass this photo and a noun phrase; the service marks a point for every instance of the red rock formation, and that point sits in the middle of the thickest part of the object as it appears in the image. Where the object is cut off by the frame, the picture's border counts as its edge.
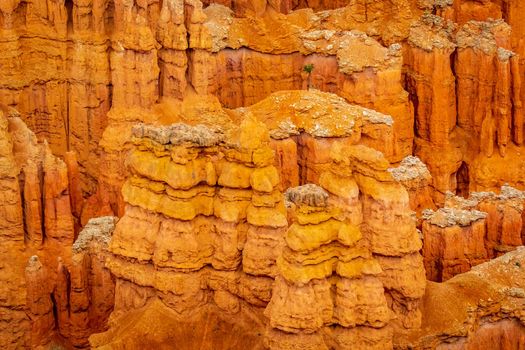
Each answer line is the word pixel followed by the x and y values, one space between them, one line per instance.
pixel 160 42
pixel 57 77
pixel 431 82
pixel 38 221
pixel 454 241
pixel 207 215
pixel 234 77
pixel 413 174
pixel 301 127
pixel 69 63
pixel 385 204
pixel 39 303
pixel 485 127
pixel 480 309
pixel 504 217
pixel 437 79
pixel 58 219
pixel 467 232
pixel 16 327
pixel 204 209
pixel 314 121
pixel 84 291
pixel 327 279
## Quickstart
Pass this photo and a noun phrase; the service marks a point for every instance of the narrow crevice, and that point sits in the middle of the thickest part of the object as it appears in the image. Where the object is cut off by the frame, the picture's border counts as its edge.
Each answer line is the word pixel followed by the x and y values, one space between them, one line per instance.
pixel 66 117
pixel 189 62
pixel 462 181
pixel 439 268
pixel 453 56
pixel 109 18
pixel 68 290
pixel 41 176
pixel 69 8
pixel 21 184
pixel 505 11
pixel 301 164
pixel 189 50
pixel 160 80
pixel 55 309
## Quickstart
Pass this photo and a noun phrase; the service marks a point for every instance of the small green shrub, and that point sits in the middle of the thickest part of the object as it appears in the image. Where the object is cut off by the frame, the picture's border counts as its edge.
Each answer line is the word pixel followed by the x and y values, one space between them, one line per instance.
pixel 308 68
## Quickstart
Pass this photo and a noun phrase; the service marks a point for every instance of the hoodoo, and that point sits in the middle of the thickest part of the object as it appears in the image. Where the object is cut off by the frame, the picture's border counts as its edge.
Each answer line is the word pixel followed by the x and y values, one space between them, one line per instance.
pixel 262 174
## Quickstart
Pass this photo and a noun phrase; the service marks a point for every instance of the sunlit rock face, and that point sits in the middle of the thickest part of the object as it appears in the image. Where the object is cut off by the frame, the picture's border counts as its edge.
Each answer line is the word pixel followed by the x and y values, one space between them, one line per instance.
pixel 207 231
pixel 282 174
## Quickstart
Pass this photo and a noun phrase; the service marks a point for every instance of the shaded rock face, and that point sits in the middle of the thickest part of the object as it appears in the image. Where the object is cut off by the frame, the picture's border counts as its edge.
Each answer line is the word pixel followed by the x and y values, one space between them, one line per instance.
pixel 464 74
pixel 49 290
pixel 271 162
pixel 84 294
pixel 413 174
pixel 467 232
pixel 74 299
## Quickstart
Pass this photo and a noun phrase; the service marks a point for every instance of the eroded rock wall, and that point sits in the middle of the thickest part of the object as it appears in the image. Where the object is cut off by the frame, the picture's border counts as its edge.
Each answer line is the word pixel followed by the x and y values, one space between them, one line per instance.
pixel 471 69
pixel 204 228
pixel 475 310
pixel 68 63
pixel 467 232
pixel 49 290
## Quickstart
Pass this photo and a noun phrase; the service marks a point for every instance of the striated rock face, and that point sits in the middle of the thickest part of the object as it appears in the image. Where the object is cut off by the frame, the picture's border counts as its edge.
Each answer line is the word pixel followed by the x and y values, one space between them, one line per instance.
pixel 504 217
pixel 75 299
pixel 469 231
pixel 384 204
pixel 304 125
pixel 49 291
pixel 39 303
pixel 327 280
pixel 453 241
pixel 472 68
pixel 57 73
pixel 286 173
pixel 342 58
pixel 301 127
pixel 206 229
pixel 202 230
pixel 81 72
pixel 84 293
pixel 16 326
pixel 413 174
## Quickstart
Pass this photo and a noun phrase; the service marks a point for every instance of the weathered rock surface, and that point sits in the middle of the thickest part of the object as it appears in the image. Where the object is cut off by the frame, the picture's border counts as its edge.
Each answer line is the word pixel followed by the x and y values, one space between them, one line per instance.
pixel 266 159
pixel 49 291
pixel 206 229
pixel 67 64
pixel 504 217
pixel 465 80
pixel 453 241
pixel 203 226
pixel 413 174
pixel 479 309
pixel 467 232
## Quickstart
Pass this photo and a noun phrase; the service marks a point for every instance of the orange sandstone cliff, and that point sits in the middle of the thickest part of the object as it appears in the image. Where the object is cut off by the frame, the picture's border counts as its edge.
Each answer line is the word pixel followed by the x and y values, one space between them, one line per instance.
pixel 266 174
